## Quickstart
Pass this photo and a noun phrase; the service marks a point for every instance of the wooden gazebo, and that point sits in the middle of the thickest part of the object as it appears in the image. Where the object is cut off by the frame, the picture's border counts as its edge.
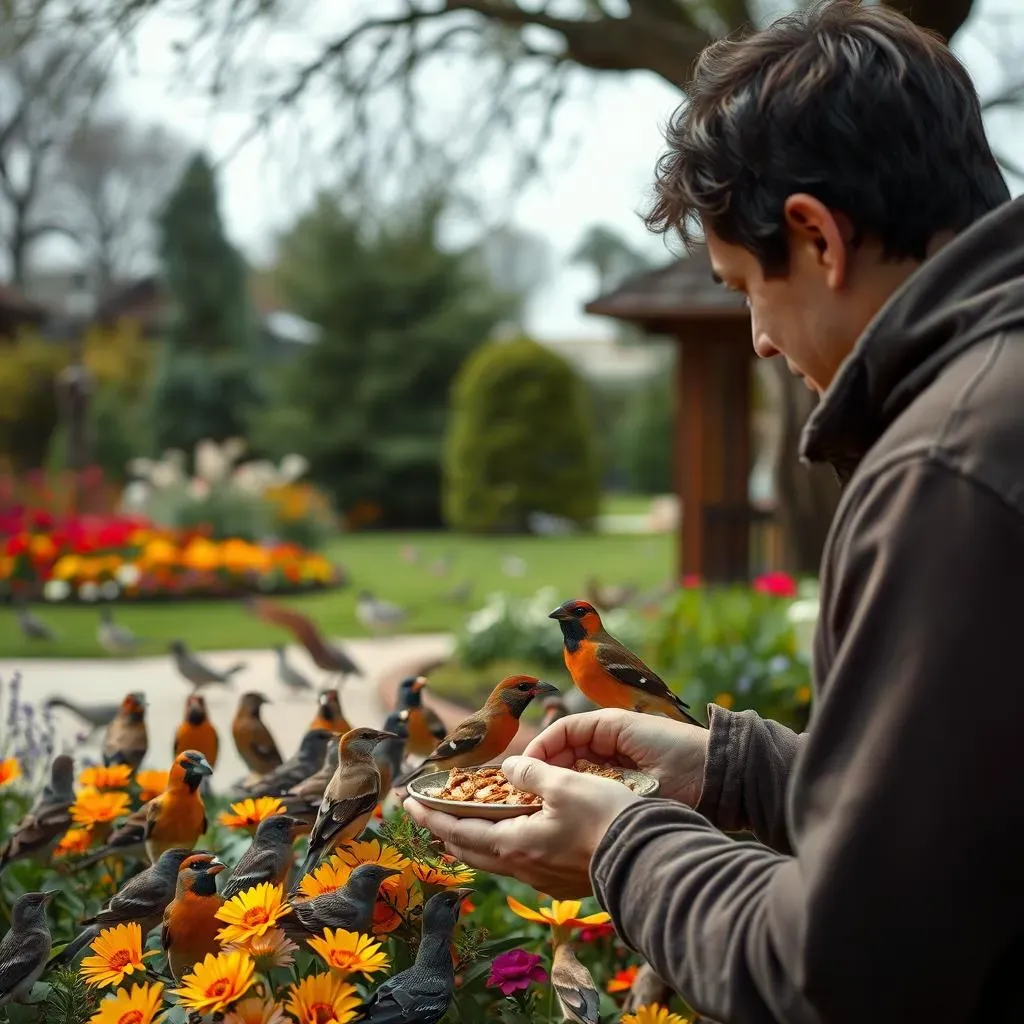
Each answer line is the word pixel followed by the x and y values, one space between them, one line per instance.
pixel 722 537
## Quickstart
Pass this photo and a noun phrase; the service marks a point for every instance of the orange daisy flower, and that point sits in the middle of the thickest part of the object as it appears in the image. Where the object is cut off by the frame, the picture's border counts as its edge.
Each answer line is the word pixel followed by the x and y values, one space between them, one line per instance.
pixel 93 807
pixel 142 1005
pixel 75 840
pixel 349 952
pixel 217 982
pixel 118 954
pixel 116 776
pixel 322 999
pixel 152 783
pixel 252 913
pixel 10 770
pixel 249 813
pixel 623 980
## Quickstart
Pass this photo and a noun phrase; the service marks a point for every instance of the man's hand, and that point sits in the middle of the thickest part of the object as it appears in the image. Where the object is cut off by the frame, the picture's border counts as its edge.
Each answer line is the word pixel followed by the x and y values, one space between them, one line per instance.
pixel 550 849
pixel 673 752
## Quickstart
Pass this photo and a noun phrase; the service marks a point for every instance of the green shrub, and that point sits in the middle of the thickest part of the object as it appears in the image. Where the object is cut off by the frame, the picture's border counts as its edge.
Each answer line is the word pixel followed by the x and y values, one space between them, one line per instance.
pixel 28 409
pixel 520 439
pixel 645 437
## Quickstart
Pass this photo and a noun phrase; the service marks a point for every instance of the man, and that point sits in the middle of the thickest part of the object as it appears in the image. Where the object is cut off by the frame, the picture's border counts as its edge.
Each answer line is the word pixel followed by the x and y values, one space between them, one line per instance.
pixel 838 169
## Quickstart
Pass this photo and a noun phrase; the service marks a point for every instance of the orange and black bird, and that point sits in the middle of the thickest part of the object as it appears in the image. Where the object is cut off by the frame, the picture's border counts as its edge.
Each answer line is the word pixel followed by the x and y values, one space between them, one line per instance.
pixel 329 715
pixel 268 858
pixel 486 733
pixel 196 732
pixel 190 926
pixel 349 908
pixel 255 745
pixel 426 729
pixel 126 740
pixel 49 817
pixel 326 656
pixel 421 993
pixel 609 673
pixel 142 899
pixel 350 797
pixel 176 817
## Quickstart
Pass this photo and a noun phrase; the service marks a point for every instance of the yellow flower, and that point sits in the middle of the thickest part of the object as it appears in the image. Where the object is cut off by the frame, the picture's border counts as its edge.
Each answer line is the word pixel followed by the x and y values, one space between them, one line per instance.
pixel 65 568
pixel 10 770
pixel 75 840
pixel 93 807
pixel 803 695
pixel 140 1006
pixel 217 982
pixel 373 851
pixel 725 700
pixel 321 999
pixel 561 914
pixel 448 873
pixel 653 1014
pixel 118 954
pixel 256 1010
pixel 349 952
pixel 151 783
pixel 328 877
pixel 397 894
pixel 249 813
pixel 117 776
pixel 270 950
pixel 252 913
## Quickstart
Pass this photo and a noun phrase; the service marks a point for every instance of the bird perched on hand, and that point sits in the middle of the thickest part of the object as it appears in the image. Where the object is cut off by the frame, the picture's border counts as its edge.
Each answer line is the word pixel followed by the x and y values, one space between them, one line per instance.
pixel 574 986
pixel 389 754
pixel 255 745
pixel 326 656
pixel 290 678
pixel 126 739
pixel 196 731
pixel 47 819
pixel 31 626
pixel 112 636
pixel 25 948
pixel 350 907
pixel 197 672
pixel 350 797
pixel 329 715
pixel 95 716
pixel 268 858
pixel 299 767
pixel 425 727
pixel 376 615
pixel 142 899
pixel 607 672
pixel 486 733
pixel 176 817
pixel 190 927
pixel 421 994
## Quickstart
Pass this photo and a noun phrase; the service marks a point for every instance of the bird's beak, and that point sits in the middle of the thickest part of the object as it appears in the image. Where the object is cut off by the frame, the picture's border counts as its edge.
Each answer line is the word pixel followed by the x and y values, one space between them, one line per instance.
pixel 216 867
pixel 202 767
pixel 382 736
pixel 295 828
pixel 463 893
pixel 419 684
pixel 50 893
pixel 559 613
pixel 546 690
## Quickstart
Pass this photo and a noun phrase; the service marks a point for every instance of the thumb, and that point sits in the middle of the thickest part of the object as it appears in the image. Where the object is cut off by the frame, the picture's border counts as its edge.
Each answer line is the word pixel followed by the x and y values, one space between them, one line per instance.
pixel 531 775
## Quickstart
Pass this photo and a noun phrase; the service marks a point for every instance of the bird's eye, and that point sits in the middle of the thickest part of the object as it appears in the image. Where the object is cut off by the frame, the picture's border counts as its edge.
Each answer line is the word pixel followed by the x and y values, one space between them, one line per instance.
pixel 523 686
pixel 579 612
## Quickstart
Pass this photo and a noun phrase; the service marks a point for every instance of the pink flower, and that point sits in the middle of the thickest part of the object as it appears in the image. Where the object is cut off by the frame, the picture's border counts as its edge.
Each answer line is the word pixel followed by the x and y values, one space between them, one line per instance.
pixel 778 584
pixel 597 931
pixel 515 970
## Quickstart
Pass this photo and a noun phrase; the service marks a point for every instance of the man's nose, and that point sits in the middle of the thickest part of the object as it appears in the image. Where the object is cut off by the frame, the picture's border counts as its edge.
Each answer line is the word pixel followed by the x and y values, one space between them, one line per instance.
pixel 762 343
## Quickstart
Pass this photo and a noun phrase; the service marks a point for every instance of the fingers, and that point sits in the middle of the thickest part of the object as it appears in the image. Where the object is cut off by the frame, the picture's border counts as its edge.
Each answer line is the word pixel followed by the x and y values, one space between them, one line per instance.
pixel 591 734
pixel 470 840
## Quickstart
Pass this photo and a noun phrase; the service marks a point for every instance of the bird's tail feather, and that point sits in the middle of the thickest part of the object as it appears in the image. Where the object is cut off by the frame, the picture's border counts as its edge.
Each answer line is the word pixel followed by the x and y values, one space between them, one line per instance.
pixel 237 667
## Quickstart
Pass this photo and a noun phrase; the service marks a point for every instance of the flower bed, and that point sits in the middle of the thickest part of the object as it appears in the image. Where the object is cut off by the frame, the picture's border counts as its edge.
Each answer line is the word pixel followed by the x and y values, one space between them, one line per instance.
pixel 88 558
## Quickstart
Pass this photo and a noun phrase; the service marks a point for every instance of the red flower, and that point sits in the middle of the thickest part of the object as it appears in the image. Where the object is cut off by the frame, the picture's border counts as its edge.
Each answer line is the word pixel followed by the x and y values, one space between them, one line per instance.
pixel 17 545
pixel 691 581
pixel 594 932
pixel 778 584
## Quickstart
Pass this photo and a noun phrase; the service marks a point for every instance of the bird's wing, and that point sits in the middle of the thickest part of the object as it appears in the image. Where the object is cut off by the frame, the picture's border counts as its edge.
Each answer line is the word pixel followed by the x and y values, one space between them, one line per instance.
pixel 408 1000
pixel 574 986
pixel 336 814
pixel 255 866
pixel 627 668
pixel 466 736
pixel 140 897
pixel 152 810
pixel 20 954
pixel 437 727
pixel 36 830
pixel 300 626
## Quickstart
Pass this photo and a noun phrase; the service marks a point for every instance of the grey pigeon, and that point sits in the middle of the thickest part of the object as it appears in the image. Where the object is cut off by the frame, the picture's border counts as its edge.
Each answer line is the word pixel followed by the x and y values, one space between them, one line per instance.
pixel 197 672
pixel 376 615
pixel 113 637
pixel 32 627
pixel 291 678
pixel 25 947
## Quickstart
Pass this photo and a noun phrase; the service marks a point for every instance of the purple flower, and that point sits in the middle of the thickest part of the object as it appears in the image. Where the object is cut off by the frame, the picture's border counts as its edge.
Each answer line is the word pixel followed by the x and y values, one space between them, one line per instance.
pixel 515 970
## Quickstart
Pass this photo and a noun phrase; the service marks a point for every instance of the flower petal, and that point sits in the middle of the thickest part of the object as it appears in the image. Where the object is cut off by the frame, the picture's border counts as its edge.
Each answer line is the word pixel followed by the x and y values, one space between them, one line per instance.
pixel 524 912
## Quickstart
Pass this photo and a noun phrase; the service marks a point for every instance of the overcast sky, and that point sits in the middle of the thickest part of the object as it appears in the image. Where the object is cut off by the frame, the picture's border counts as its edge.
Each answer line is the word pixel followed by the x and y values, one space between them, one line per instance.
pixel 600 173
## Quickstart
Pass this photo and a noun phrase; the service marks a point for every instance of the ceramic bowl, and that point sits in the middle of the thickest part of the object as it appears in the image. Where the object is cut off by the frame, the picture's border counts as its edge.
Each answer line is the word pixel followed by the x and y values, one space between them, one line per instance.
pixel 425 788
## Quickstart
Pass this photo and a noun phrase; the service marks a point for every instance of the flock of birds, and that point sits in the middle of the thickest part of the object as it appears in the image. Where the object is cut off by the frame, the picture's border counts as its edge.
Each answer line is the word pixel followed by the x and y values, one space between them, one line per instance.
pixel 330 787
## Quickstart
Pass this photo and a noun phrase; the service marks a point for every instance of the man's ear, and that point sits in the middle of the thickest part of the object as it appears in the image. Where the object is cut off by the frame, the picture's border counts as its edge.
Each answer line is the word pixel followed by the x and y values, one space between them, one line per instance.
pixel 818 235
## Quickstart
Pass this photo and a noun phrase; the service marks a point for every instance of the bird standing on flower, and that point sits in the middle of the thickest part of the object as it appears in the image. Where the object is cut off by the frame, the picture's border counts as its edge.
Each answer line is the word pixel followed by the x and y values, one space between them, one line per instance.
pixel 350 797
pixel 190 925
pixel 196 731
pixel 126 740
pixel 608 672
pixel 197 671
pixel 487 733
pixel 255 745
pixel 426 729
pixel 268 858
pixel 25 947
pixel 350 907
pixel 49 817
pixel 303 763
pixel 421 994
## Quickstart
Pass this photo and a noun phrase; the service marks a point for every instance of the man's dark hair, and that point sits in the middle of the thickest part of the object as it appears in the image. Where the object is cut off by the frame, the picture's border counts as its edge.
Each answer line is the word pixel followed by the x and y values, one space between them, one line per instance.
pixel 854 105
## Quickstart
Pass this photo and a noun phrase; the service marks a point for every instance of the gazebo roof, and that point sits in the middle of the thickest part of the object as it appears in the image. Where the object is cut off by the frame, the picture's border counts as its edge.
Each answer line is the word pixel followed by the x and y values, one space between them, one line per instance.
pixel 683 290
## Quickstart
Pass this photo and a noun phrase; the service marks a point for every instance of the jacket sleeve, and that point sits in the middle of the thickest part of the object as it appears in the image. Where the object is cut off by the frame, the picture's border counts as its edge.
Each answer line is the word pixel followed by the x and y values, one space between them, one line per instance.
pixel 746 775
pixel 904 891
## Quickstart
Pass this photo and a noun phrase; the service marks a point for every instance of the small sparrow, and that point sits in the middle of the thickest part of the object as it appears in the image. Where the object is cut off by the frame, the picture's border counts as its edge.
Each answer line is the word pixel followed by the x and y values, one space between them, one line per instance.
pixel 49 817
pixel 349 908
pixel 126 739
pixel 268 858
pixel 113 637
pixel 197 672
pixel 578 997
pixel 300 766
pixel 253 741
pixel 290 678
pixel 25 948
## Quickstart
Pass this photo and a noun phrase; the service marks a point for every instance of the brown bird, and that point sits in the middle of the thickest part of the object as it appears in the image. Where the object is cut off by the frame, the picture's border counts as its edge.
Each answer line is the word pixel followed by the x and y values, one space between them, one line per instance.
pixel 329 715
pixel 190 927
pixel 49 817
pixel 268 858
pixel 126 740
pixel 349 908
pixel 300 766
pixel 196 732
pixel 487 733
pixel 350 797
pixel 142 899
pixel 252 738
pixel 578 997
pixel 326 656
pixel 426 729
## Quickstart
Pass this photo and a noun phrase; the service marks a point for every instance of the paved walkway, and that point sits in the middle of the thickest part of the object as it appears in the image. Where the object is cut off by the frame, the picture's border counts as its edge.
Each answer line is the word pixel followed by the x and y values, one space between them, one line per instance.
pixel 103 681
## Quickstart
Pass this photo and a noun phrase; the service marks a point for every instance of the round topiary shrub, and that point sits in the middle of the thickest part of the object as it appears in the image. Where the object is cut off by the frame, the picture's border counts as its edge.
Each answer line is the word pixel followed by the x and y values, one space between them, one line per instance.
pixel 520 440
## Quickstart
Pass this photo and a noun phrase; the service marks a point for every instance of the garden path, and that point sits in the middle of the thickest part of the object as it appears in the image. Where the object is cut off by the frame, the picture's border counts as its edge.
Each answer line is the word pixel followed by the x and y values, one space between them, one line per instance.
pixel 107 680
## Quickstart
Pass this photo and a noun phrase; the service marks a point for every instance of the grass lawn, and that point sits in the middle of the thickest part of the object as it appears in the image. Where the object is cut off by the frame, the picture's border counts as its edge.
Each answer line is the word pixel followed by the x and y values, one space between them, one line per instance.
pixel 375 562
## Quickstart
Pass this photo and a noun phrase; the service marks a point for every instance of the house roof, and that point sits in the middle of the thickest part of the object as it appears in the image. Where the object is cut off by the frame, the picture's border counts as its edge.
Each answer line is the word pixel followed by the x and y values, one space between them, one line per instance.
pixel 683 290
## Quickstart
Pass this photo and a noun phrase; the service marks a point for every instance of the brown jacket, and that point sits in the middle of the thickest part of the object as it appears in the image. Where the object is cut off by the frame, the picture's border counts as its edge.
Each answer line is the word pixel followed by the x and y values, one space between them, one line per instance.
pixel 891 885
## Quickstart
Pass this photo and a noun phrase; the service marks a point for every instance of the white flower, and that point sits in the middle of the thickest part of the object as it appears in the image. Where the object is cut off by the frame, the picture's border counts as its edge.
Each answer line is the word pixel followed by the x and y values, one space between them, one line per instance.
pixel 128 574
pixel 56 590
pixel 141 467
pixel 292 467
pixel 198 488
pixel 212 464
pixel 88 591
pixel 109 590
pixel 135 494
pixel 165 474
pixel 233 449
pixel 254 477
